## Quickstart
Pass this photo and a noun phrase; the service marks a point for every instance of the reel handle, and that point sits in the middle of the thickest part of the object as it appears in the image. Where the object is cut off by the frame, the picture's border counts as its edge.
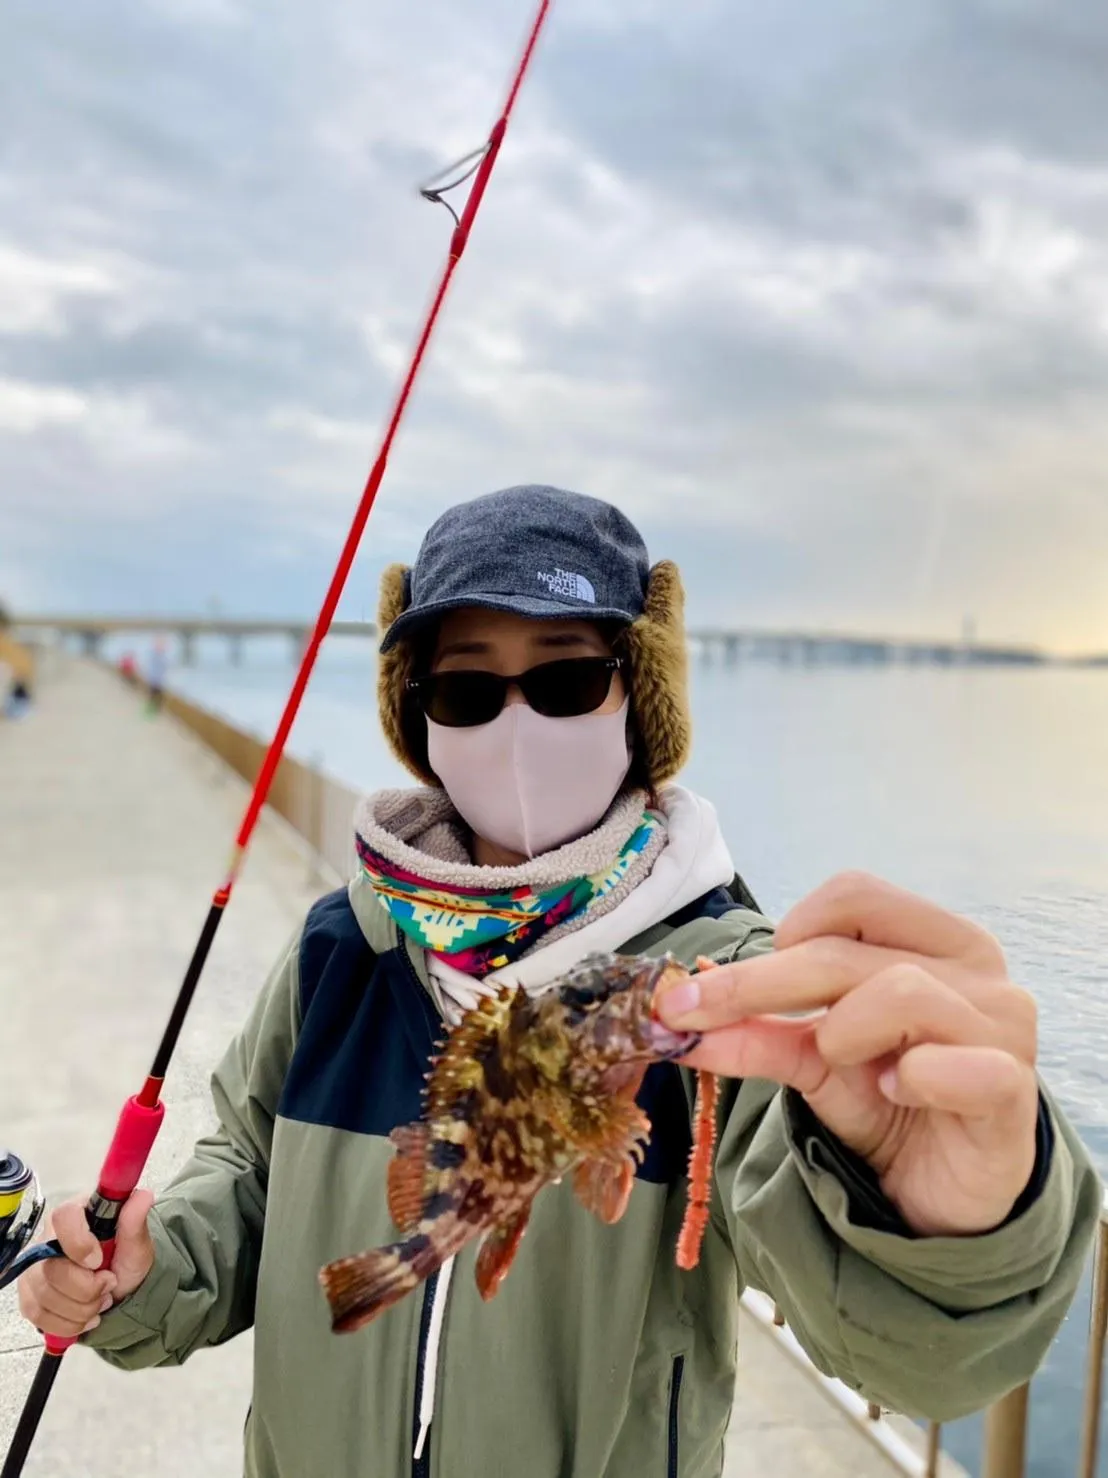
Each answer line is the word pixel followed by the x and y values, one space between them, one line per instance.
pixel 120 1173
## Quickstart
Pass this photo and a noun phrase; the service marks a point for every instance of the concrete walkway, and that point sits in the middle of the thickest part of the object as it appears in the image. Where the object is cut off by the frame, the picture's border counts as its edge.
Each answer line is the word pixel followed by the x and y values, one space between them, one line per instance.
pixel 113 830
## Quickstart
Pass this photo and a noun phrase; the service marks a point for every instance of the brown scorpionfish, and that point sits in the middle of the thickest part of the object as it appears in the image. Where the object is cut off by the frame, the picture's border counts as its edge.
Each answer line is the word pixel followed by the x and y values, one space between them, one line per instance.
pixel 527 1090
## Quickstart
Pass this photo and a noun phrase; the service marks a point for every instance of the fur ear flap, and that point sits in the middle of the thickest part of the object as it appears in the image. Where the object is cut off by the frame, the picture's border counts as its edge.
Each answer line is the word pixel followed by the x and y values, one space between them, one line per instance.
pixel 655 644
pixel 393 599
pixel 404 728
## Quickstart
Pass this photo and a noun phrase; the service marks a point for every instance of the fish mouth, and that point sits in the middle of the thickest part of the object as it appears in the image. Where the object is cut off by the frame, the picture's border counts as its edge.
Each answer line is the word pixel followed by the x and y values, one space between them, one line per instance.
pixel 667 1044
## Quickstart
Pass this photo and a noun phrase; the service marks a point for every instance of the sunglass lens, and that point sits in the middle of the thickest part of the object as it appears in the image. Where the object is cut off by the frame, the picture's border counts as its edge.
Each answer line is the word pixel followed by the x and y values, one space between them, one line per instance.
pixel 570 688
pixel 462 700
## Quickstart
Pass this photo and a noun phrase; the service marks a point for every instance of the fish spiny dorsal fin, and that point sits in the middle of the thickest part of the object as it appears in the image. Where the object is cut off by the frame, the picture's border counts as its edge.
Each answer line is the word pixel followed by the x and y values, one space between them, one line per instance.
pixel 457 1070
pixel 407 1175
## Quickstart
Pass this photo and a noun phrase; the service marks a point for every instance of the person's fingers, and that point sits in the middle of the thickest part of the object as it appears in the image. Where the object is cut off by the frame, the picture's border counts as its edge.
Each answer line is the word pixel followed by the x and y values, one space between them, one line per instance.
pixel 74 1311
pixel 71 1228
pixel 807 977
pixel 47 1323
pixel 132 1219
pixel 814 975
pixel 76 1283
pixel 780 1051
pixel 898 1008
pixel 854 905
pixel 976 1083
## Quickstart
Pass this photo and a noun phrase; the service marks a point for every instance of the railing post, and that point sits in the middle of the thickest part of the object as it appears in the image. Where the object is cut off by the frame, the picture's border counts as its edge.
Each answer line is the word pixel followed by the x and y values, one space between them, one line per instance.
pixel 1005 1452
pixel 934 1447
pixel 1098 1329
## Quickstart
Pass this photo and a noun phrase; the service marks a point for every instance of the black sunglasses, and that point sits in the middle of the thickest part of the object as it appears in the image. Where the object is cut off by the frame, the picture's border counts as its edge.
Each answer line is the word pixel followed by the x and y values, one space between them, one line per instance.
pixel 563 689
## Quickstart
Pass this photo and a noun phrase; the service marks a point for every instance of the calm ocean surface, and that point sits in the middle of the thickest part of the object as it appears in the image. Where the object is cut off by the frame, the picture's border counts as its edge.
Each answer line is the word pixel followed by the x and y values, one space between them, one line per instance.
pixel 983 789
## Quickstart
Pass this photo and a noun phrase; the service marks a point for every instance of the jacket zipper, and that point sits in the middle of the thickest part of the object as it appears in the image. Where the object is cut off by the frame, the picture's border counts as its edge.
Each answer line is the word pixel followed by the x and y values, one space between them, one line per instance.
pixel 421 1466
pixel 674 1399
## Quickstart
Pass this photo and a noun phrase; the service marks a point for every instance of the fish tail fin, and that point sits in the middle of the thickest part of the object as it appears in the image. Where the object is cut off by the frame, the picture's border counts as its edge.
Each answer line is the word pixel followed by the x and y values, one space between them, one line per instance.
pixel 359 1288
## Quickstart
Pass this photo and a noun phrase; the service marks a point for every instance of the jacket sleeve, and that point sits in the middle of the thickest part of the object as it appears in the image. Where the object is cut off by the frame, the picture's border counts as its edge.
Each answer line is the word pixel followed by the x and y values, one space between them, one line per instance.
pixel 207 1223
pixel 933 1327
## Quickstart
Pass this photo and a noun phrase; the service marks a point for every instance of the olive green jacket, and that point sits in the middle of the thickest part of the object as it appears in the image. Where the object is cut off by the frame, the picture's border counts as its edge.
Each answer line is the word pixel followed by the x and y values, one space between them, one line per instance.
pixel 598 1357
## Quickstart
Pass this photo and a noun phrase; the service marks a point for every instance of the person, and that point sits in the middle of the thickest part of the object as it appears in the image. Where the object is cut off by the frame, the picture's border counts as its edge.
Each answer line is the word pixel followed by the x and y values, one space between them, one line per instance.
pixel 155 679
pixel 17 673
pixel 19 699
pixel 890 1168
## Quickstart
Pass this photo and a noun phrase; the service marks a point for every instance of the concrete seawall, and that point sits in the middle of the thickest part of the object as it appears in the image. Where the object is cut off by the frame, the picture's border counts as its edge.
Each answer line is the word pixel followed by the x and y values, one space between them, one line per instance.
pixel 114 828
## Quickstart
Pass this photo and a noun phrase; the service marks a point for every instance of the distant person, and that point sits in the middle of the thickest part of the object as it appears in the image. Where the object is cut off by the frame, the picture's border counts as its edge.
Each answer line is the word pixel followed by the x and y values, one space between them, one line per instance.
pixel 128 668
pixel 18 700
pixel 891 1171
pixel 17 676
pixel 155 677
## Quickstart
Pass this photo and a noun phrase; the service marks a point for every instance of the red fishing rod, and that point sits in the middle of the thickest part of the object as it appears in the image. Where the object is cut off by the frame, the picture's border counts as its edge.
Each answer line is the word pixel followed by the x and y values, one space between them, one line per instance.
pixel 142 1115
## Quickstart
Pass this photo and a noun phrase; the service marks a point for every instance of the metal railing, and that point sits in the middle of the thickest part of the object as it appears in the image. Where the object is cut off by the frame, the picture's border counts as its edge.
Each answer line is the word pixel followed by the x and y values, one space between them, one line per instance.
pixel 320 811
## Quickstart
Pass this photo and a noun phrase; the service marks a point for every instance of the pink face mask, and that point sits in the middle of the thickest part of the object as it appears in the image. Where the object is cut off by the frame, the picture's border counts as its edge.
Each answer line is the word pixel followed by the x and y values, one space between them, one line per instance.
pixel 530 783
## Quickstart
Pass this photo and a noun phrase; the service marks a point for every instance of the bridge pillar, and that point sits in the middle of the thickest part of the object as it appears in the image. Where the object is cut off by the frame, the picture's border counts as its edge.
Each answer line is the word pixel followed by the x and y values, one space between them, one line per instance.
pixel 234 643
pixel 90 643
pixel 188 648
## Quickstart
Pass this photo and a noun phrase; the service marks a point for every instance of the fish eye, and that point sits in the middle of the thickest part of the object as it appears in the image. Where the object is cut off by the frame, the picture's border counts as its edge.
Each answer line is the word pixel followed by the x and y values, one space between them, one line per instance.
pixel 582 997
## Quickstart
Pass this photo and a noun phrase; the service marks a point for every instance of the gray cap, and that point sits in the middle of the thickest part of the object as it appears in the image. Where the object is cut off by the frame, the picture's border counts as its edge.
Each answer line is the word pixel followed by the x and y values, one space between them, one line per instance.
pixel 536 551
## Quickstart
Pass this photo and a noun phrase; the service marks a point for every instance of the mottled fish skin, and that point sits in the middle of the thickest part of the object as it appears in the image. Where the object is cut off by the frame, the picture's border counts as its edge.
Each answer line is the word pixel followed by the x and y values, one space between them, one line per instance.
pixel 526 1090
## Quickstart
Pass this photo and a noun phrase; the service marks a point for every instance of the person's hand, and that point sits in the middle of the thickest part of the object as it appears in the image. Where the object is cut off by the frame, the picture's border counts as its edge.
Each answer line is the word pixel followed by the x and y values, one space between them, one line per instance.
pixel 67 1295
pixel 920 1057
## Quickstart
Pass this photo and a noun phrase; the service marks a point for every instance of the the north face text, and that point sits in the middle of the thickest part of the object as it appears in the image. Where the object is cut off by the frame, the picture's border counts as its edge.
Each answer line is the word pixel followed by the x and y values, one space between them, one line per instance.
pixel 563 582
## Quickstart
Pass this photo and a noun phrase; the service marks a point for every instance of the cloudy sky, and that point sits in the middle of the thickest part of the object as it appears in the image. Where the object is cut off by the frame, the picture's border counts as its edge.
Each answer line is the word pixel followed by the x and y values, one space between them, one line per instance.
pixel 817 291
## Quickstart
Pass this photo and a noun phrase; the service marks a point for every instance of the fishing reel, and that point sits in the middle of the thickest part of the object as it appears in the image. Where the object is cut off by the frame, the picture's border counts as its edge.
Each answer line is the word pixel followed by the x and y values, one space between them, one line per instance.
pixel 21 1208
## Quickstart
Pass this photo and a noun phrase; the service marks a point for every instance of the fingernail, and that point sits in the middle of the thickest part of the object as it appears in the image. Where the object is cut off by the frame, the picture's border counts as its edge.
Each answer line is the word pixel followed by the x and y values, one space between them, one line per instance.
pixel 679 1000
pixel 93 1259
pixel 91 1325
pixel 889 1082
pixel 105 1303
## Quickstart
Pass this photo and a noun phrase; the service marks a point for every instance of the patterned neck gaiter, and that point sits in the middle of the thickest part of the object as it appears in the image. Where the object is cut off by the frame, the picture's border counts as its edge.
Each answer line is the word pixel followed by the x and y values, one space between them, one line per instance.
pixel 478 931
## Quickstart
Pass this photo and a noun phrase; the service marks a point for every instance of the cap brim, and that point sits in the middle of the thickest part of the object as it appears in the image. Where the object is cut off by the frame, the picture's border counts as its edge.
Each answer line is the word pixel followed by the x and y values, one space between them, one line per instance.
pixel 533 607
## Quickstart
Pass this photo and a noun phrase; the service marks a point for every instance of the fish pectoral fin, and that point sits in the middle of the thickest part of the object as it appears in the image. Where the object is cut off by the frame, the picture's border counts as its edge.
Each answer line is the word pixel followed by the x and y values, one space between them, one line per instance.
pixel 618 1128
pixel 407 1175
pixel 497 1252
pixel 604 1187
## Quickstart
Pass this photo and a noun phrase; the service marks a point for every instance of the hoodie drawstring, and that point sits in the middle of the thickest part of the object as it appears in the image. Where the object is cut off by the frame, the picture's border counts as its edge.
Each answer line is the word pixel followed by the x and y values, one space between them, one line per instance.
pixel 431 1355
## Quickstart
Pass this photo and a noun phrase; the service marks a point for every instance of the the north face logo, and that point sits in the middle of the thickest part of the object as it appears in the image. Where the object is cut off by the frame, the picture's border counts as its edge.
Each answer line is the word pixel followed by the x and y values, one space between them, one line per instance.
pixel 576 587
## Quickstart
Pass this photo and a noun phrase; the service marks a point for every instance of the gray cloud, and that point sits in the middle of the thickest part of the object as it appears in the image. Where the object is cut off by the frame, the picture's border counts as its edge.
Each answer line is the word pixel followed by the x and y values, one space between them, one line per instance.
pixel 822 288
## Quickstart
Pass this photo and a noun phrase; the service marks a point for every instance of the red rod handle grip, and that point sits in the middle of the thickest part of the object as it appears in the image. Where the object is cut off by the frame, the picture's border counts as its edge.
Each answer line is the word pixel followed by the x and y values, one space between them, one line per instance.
pixel 124 1163
pixel 130 1148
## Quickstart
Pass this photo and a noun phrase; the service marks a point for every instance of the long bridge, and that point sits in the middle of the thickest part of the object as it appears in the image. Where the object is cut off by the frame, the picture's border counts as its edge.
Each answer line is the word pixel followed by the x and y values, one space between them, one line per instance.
pixel 729 645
